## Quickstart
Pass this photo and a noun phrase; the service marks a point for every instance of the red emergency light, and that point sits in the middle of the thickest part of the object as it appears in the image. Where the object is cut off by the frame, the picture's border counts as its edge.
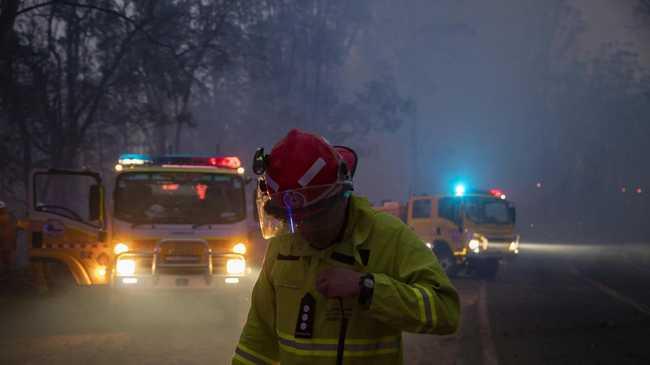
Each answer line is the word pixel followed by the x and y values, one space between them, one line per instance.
pixel 497 193
pixel 228 162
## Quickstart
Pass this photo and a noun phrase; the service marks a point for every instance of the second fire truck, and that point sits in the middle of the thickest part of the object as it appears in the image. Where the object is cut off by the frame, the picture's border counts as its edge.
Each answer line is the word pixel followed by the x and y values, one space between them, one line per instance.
pixel 466 229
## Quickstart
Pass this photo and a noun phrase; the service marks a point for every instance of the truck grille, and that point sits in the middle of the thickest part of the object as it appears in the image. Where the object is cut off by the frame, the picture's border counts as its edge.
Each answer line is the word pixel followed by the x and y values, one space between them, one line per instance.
pixel 183 253
pixel 219 263
pixel 182 257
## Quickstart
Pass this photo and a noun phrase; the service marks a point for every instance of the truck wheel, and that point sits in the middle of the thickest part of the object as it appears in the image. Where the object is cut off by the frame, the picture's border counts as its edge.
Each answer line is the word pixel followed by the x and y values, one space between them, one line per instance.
pixel 488 268
pixel 446 259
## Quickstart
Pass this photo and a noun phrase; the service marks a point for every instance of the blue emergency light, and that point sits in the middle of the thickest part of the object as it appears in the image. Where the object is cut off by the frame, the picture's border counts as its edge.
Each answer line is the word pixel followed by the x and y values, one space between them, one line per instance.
pixel 129 159
pixel 460 190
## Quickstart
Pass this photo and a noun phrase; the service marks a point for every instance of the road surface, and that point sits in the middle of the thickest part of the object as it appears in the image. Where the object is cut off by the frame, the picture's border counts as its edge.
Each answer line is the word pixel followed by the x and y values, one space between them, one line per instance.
pixel 555 304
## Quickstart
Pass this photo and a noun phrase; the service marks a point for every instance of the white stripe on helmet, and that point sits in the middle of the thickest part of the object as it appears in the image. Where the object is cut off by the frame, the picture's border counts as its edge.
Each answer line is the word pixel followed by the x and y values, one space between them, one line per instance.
pixel 312 172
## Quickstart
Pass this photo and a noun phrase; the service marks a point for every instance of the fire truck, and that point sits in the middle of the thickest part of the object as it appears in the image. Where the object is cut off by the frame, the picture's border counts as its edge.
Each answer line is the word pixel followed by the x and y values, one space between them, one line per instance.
pixel 171 223
pixel 472 230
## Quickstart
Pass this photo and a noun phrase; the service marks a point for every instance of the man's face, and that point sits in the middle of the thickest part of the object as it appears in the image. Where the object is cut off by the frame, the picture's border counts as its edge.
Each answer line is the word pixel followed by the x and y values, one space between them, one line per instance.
pixel 320 230
pixel 319 224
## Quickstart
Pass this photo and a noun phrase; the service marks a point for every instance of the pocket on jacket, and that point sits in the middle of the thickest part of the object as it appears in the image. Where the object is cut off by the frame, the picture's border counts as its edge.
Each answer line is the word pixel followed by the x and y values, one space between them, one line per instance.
pixel 288 277
pixel 288 274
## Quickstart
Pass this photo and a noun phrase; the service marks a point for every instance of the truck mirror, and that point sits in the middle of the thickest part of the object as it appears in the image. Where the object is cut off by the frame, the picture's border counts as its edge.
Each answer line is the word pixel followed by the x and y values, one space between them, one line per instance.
pixel 94 203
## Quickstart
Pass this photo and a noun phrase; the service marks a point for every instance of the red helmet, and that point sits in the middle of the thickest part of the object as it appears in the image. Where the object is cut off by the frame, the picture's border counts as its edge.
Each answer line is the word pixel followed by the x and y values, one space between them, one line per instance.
pixel 299 176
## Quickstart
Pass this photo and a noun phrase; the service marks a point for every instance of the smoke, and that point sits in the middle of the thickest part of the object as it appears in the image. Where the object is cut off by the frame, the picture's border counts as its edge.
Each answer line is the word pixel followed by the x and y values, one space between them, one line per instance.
pixel 93 325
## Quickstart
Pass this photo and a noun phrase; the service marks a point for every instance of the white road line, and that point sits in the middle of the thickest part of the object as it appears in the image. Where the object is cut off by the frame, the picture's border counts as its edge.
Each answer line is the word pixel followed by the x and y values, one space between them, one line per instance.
pixel 613 293
pixel 488 350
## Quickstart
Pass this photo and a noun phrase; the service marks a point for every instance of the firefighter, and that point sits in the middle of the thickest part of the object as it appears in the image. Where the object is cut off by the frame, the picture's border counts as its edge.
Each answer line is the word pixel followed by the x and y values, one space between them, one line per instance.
pixel 340 281
pixel 7 239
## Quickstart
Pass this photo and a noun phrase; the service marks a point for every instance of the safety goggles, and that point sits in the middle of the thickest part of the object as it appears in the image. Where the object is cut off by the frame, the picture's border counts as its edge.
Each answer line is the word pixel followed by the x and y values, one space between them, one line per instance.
pixel 288 211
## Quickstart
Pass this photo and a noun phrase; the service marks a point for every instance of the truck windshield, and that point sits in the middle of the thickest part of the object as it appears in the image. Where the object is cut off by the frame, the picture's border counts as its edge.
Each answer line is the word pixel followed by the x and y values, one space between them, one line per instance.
pixel 179 198
pixel 486 210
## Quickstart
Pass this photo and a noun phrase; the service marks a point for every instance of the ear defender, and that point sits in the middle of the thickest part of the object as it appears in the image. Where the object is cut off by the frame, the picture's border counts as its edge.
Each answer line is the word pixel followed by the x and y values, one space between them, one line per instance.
pixel 260 162
pixel 344 172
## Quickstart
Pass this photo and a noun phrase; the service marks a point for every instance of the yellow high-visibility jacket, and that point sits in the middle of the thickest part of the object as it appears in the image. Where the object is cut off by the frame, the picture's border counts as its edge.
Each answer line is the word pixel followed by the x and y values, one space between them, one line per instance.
pixel 411 293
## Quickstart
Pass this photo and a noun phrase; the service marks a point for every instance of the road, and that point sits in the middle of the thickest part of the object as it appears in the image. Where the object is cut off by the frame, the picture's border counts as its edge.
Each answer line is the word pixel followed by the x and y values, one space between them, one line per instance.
pixel 555 304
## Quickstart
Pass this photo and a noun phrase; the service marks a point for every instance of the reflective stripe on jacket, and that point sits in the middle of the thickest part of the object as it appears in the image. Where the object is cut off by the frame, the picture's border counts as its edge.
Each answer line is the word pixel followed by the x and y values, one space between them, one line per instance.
pixel 411 294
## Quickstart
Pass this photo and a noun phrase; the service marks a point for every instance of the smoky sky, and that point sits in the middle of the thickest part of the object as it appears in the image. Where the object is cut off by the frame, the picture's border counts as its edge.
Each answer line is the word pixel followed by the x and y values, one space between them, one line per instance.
pixel 474 69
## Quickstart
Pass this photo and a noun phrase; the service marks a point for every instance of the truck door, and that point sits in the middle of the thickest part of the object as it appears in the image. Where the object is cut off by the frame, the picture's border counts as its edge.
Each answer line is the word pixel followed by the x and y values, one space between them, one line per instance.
pixel 449 222
pixel 67 223
pixel 420 217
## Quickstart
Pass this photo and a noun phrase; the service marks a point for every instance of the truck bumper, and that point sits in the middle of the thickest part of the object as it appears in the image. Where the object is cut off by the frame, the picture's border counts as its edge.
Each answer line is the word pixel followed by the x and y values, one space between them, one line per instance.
pixel 170 282
pixel 149 272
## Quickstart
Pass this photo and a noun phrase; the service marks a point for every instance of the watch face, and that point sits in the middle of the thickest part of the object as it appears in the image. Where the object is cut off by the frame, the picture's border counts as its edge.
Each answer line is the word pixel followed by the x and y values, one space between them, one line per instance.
pixel 368 283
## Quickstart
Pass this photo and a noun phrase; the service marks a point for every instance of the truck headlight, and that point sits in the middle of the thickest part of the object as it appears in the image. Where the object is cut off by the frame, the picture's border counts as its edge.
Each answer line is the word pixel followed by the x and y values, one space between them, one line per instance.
pixel 474 245
pixel 514 247
pixel 235 266
pixel 239 248
pixel 100 271
pixel 120 247
pixel 125 267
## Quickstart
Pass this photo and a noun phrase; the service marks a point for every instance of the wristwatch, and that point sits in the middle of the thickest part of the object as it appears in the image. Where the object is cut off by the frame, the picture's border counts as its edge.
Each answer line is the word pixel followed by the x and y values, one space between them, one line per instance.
pixel 366 288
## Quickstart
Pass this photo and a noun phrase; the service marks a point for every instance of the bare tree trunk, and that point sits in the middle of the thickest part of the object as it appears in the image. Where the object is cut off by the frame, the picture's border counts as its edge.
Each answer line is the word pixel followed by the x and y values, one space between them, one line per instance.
pixel 8 11
pixel 177 137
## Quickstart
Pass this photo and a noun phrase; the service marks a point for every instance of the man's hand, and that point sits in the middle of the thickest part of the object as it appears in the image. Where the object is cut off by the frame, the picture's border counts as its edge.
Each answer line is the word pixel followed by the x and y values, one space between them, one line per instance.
pixel 338 282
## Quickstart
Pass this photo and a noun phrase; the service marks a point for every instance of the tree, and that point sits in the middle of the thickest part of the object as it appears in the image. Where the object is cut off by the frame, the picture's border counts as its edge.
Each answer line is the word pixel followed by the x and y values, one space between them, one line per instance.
pixel 61 78
pixel 86 80
pixel 291 73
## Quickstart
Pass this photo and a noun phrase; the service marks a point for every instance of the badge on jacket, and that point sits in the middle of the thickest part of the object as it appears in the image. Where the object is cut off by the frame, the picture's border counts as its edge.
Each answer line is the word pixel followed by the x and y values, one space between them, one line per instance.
pixel 306 313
